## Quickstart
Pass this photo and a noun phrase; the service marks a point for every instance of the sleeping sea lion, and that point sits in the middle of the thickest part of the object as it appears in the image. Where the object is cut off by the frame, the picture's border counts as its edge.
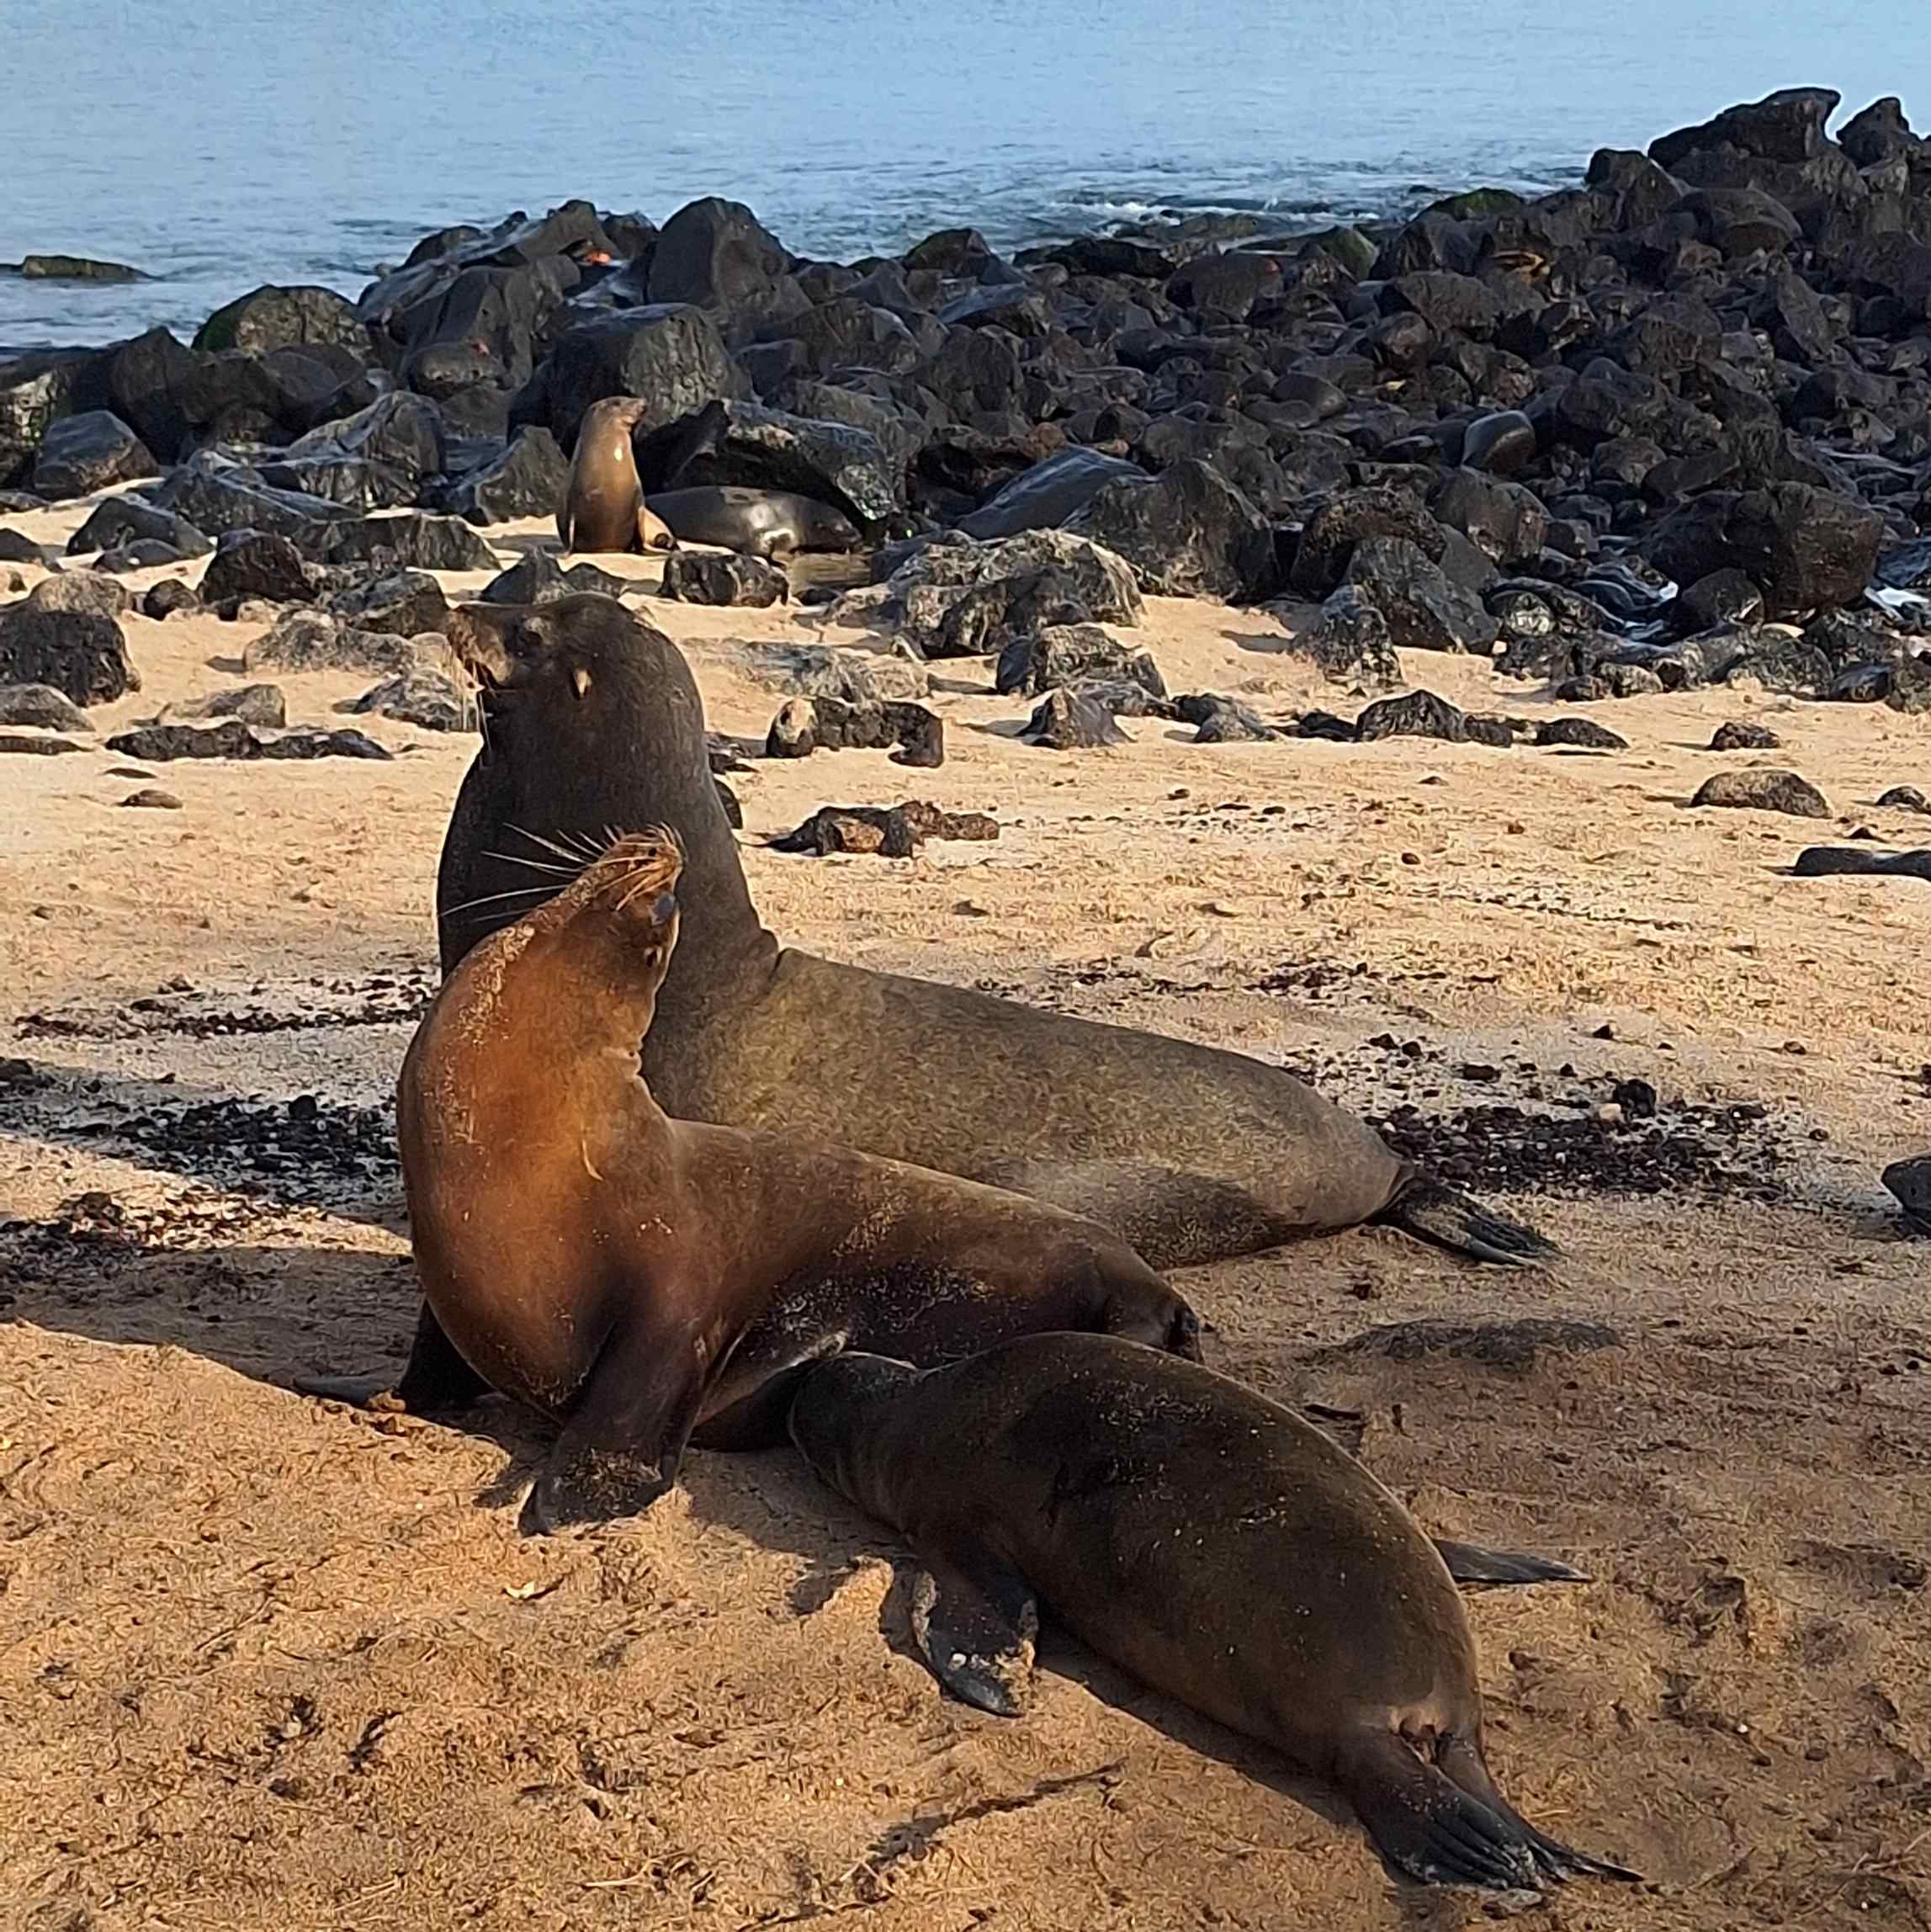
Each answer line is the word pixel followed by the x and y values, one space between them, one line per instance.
pixel 641 1277
pixel 758 523
pixel 1202 1537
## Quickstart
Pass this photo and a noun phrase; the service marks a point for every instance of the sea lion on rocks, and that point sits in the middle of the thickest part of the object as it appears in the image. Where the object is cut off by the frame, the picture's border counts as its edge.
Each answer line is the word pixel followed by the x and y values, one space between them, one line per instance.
pixel 603 507
pixel 1192 1153
pixel 640 1277
pixel 758 523
pixel 1200 1537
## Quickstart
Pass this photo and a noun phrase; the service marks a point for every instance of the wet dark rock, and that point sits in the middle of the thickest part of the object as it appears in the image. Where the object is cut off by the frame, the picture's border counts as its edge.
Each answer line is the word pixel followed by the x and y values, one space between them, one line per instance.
pixel 1507 522
pixel 15 548
pixel 1222 720
pixel 1804 547
pixel 278 318
pixel 895 832
pixel 1328 543
pixel 807 724
pixel 1349 643
pixel 1722 597
pixel 140 556
pixel 36 392
pixel 65 635
pixel 92 451
pixel 123 520
pixel 1073 655
pixel 1072 721
pixel 260 704
pixel 314 640
pixel 1910 689
pixel 40 267
pixel 1822 862
pixel 402 603
pixel 170 598
pixel 159 743
pixel 401 432
pixel 1787 126
pixel 1189 533
pixel 994 616
pixel 672 357
pixel 256 564
pixel 1764 791
pixel 1740 735
pixel 421 697
pixel 1423 610
pixel 43 707
pixel 527 480
pixel 218 497
pixel 537 577
pixel 1584 733
pixel 1413 715
pixel 717 255
pixel 924 590
pixel 1502 443
pixel 1910 1183
pixel 707 577
pixel 317 741
pixel 1049 493
pixel 413 539
pixel 833 463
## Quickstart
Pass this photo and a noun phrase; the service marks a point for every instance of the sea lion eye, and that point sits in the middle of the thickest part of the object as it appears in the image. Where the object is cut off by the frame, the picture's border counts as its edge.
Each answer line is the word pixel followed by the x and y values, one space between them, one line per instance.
pixel 580 682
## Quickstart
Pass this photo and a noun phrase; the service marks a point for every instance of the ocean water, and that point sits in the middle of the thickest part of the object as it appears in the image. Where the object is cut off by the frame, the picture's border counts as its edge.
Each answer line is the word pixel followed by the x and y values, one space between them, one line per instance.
pixel 240 142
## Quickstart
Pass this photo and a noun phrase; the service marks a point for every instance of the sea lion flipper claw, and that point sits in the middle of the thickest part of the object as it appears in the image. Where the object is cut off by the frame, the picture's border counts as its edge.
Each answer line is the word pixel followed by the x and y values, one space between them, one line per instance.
pixel 1470 1563
pixel 977 1631
pixel 624 1442
pixel 1447 1218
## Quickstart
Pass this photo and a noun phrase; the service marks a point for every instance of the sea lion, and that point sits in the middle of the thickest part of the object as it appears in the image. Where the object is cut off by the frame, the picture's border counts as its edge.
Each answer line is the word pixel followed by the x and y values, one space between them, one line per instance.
pixel 603 507
pixel 760 522
pixel 1200 1537
pixel 640 1278
pixel 1192 1153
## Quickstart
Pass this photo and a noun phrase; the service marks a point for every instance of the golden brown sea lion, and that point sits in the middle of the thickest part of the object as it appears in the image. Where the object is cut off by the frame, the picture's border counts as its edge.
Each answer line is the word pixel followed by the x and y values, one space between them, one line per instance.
pixel 603 507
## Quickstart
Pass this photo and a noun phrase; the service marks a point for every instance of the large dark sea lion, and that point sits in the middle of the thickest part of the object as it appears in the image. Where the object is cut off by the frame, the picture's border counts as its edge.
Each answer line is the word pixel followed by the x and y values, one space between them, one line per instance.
pixel 1192 1153
pixel 602 507
pixel 1200 1537
pixel 756 523
pixel 640 1277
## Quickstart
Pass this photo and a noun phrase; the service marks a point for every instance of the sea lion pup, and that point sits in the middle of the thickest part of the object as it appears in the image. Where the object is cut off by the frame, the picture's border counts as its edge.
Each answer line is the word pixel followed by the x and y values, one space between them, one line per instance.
pixel 757 523
pixel 1200 1537
pixel 641 1277
pixel 603 507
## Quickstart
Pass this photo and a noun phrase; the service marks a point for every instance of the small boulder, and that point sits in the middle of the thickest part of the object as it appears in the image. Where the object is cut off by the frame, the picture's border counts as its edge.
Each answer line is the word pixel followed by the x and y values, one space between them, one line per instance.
pixel 527 480
pixel 260 704
pixel 1423 610
pixel 1764 791
pixel 92 451
pixel 1071 654
pixel 711 577
pixel 314 640
pixel 538 578
pixel 65 636
pixel 807 724
pixel 1072 721
pixel 152 797
pixel 123 520
pixel 1328 542
pixel 35 744
pixel 1910 1184
pixel 1349 643
pixel 892 832
pixel 1188 533
pixel 170 598
pixel 256 564
pixel 424 697
pixel 411 540
pixel 1898 799
pixel 1222 720
pixel 42 707
pixel 1584 733
pixel 161 744
pixel 401 603
pixel 1740 735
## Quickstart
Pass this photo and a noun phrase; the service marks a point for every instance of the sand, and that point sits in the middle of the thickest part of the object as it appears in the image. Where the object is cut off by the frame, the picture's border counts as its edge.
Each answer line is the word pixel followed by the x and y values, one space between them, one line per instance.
pixel 268 1663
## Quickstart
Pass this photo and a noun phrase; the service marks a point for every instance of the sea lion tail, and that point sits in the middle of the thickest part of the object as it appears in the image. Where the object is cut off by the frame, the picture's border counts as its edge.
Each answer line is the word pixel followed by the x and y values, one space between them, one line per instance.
pixel 1469 1563
pixel 1447 1218
pixel 1463 1765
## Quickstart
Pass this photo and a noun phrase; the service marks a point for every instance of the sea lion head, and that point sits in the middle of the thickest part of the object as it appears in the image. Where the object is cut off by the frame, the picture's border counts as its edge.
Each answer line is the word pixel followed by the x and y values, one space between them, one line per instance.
pixel 627 894
pixel 595 700
pixel 833 1414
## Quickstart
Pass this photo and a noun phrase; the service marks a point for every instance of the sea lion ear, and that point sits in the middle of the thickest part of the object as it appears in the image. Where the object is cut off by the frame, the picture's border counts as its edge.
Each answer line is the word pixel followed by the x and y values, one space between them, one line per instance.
pixel 580 680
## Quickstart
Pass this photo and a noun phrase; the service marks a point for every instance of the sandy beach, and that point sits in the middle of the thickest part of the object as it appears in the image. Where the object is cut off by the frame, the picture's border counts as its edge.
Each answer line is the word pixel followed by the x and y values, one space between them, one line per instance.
pixel 265 1662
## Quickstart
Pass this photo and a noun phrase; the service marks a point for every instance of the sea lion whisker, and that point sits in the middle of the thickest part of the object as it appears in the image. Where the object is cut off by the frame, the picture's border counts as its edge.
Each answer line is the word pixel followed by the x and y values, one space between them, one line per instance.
pixel 497 898
pixel 534 864
pixel 576 859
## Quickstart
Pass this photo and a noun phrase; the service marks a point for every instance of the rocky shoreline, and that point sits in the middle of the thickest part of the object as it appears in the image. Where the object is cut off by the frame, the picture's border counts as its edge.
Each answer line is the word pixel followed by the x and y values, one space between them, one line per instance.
pixel 1667 429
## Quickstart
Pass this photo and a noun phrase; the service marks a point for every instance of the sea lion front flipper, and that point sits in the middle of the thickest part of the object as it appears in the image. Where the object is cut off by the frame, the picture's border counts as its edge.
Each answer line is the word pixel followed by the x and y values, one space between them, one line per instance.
pixel 1447 1218
pixel 1469 1563
pixel 977 1623
pixel 1462 1766
pixel 624 1439
pixel 435 1380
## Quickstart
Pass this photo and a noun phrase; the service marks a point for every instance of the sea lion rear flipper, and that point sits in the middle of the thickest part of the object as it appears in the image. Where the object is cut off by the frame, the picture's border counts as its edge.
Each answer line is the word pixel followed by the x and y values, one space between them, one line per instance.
pixel 1448 1218
pixel 620 1447
pixel 1427 1827
pixel 1462 1766
pixel 1469 1563
pixel 977 1630
pixel 435 1380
